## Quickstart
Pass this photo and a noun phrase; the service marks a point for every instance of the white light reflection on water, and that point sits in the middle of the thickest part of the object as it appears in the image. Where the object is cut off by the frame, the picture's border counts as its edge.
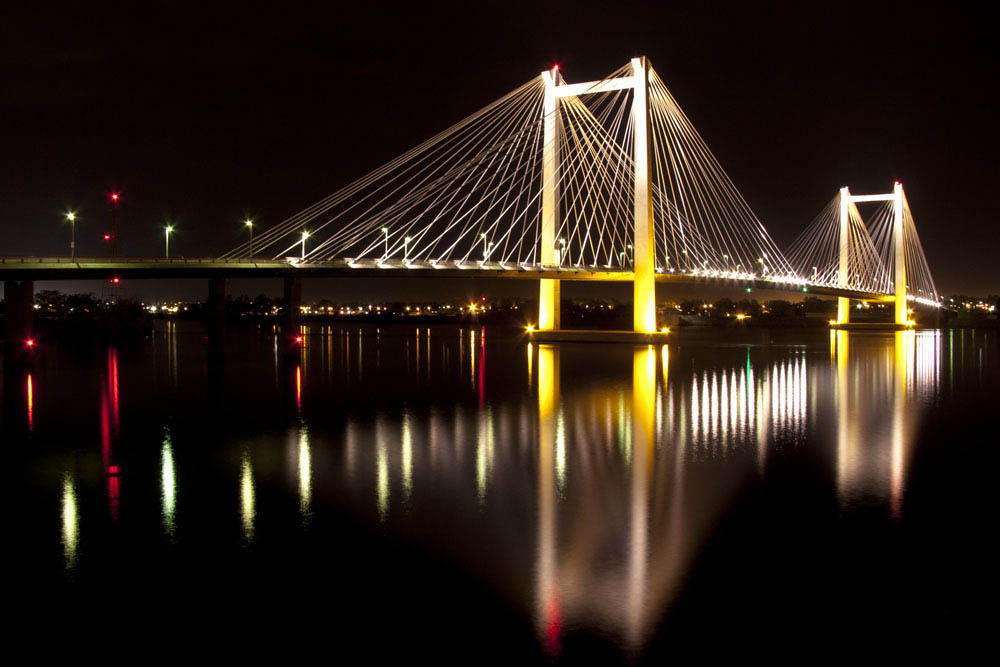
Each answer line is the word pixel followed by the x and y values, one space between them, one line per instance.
pixel 70 522
pixel 168 485
pixel 305 472
pixel 247 501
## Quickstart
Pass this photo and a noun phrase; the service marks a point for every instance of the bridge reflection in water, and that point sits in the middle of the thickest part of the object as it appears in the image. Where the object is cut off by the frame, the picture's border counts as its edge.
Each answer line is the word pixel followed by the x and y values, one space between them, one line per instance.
pixel 596 482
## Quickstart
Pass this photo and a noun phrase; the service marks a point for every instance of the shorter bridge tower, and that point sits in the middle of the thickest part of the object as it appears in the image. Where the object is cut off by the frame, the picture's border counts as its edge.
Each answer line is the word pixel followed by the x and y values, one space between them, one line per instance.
pixel 898 248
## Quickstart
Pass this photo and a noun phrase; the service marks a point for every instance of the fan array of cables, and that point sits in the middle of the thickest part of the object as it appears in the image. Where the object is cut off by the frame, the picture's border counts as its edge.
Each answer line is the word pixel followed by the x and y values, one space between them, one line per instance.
pixel 919 283
pixel 473 195
pixel 704 225
pixel 815 254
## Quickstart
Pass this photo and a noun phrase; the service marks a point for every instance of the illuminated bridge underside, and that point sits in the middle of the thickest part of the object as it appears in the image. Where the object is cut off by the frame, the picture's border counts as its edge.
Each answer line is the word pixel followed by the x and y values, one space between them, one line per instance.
pixel 149 268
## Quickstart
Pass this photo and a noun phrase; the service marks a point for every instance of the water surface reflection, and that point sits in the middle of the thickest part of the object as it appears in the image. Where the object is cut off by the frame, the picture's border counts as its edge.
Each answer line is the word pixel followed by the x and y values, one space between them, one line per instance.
pixel 581 482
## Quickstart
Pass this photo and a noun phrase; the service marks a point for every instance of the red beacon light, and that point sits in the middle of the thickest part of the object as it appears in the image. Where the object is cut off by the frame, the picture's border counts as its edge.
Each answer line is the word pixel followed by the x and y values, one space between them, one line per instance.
pixel 116 280
pixel 114 196
pixel 107 237
pixel 298 339
pixel 30 342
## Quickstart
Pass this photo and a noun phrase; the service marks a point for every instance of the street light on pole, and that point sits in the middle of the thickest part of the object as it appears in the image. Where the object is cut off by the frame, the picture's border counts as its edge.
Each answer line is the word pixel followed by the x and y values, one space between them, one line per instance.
pixel 385 230
pixel 406 248
pixel 166 235
pixel 71 216
pixel 305 235
pixel 249 223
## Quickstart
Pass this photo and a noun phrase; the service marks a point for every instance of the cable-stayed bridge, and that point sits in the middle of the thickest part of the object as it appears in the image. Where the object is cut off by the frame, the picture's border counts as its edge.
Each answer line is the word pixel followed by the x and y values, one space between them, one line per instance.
pixel 605 180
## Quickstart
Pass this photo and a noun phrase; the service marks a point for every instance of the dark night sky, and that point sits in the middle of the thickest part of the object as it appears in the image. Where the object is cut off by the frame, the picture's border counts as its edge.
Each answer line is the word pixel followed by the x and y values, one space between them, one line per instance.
pixel 204 115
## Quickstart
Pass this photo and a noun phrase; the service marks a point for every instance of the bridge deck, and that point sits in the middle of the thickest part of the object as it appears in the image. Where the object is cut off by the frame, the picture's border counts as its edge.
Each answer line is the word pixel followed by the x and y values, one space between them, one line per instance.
pixel 136 268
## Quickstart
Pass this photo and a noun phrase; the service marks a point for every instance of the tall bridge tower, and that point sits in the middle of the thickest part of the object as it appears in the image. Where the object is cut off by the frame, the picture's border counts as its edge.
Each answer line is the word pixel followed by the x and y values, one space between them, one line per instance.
pixel 643 243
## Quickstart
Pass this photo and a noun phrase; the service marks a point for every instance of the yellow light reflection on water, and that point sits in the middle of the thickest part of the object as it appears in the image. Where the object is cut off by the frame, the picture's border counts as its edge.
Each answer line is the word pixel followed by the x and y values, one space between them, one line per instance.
pixel 70 522
pixel 168 485
pixel 381 480
pixel 548 592
pixel 531 352
pixel 31 404
pixel 407 455
pixel 247 501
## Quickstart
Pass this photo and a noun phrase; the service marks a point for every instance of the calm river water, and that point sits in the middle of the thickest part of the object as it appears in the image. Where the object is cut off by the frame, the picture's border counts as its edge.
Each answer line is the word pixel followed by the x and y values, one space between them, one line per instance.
pixel 463 495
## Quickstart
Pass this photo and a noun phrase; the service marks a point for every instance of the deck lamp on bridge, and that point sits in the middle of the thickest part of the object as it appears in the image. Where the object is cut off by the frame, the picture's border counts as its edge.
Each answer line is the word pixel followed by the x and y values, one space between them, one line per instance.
pixel 385 230
pixel 71 216
pixel 166 236
pixel 406 247
pixel 305 235
pixel 249 223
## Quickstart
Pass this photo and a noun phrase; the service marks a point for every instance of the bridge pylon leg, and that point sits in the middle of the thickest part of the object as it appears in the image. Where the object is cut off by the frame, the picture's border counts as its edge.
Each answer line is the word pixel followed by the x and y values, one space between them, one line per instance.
pixel 549 291
pixel 899 280
pixel 644 243
pixel 549 296
pixel 844 303
pixel 843 310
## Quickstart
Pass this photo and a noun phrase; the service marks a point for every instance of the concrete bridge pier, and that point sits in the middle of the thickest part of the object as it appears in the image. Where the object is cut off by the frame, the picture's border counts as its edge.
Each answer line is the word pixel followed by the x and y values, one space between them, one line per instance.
pixel 216 312
pixel 18 319
pixel 292 315
pixel 215 315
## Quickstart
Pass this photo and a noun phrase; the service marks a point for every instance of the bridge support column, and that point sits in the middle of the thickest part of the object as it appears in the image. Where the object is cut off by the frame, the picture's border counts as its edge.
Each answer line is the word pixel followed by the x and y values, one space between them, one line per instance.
pixel 902 316
pixel 292 316
pixel 216 315
pixel 19 314
pixel 549 292
pixel 644 244
pixel 217 300
pixel 843 303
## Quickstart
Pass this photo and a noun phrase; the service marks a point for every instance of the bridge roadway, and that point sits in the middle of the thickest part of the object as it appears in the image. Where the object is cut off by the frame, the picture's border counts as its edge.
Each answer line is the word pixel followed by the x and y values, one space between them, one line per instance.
pixel 139 268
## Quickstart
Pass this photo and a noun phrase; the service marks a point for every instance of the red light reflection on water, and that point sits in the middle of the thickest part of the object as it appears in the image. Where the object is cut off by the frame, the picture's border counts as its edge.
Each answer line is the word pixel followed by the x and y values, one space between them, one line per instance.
pixel 109 432
pixel 553 626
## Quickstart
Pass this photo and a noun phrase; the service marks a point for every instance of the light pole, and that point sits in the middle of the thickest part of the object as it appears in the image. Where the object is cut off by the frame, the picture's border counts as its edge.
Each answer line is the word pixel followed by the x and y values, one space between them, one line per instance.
pixel 249 223
pixel 385 230
pixel 71 216
pixel 562 250
pixel 485 252
pixel 166 235
pixel 406 248
pixel 305 235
